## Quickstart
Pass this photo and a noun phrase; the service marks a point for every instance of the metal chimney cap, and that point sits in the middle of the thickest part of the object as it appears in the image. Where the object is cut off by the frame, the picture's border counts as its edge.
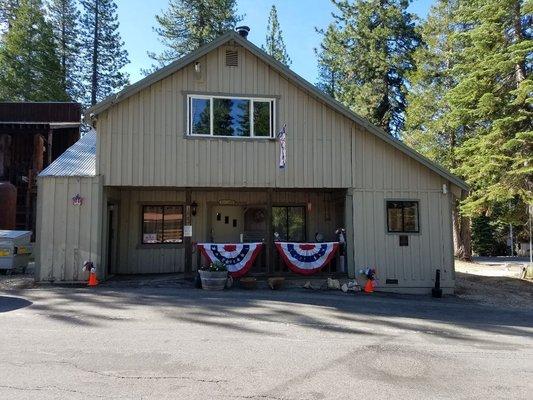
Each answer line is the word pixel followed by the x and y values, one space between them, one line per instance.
pixel 243 30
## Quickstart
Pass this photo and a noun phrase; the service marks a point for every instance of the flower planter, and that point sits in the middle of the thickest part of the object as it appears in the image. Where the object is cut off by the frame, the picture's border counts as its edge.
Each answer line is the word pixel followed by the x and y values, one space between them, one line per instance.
pixel 276 283
pixel 213 280
pixel 248 283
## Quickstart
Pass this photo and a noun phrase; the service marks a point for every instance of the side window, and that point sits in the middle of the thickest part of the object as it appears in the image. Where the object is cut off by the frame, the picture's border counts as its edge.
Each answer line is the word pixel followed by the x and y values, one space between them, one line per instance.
pixel 402 216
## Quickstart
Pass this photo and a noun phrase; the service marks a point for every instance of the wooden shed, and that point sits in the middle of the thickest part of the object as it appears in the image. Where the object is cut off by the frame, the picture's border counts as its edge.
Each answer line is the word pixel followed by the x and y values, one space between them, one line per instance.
pixel 191 154
pixel 32 135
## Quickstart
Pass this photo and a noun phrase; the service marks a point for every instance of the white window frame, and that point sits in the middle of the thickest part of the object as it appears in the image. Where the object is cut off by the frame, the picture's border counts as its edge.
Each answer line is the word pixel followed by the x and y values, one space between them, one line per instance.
pixel 272 122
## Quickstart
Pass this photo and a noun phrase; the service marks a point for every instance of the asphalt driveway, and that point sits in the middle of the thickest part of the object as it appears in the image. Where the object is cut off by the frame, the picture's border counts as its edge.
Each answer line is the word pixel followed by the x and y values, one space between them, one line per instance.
pixel 131 343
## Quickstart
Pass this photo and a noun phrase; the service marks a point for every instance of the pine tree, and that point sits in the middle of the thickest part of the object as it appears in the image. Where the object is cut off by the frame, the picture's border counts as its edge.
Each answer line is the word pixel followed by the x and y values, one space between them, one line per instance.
pixel 64 17
pixel 29 65
pixel 7 12
pixel 492 100
pixel 189 24
pixel 102 49
pixel 428 128
pixel 275 45
pixel 373 52
pixel 329 70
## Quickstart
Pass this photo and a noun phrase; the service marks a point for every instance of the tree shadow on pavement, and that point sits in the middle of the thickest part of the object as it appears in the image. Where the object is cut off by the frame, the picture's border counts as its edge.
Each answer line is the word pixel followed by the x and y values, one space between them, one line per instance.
pixel 252 311
pixel 9 303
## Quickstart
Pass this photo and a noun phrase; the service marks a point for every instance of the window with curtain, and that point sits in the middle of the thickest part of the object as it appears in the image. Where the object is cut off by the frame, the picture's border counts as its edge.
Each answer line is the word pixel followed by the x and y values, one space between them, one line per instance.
pixel 162 224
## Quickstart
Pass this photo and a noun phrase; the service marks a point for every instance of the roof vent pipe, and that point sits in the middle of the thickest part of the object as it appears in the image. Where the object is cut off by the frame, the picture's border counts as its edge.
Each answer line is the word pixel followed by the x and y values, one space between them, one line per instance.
pixel 243 31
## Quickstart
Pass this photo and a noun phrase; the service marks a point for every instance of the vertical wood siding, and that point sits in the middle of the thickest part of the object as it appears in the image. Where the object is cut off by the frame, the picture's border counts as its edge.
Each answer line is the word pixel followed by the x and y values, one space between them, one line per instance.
pixel 142 139
pixel 413 265
pixel 67 235
pixel 142 145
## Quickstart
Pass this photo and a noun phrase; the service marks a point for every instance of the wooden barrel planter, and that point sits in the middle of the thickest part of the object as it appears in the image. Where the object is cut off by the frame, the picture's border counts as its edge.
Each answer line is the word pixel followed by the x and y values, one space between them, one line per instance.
pixel 213 280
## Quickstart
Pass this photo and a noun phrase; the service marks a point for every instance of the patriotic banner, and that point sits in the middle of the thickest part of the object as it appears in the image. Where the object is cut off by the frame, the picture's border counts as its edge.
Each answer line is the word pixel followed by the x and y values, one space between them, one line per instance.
pixel 307 258
pixel 238 258
pixel 282 136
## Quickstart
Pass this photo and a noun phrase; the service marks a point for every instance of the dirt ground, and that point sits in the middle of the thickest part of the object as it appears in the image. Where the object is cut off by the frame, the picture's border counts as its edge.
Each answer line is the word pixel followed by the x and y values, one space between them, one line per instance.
pixel 499 286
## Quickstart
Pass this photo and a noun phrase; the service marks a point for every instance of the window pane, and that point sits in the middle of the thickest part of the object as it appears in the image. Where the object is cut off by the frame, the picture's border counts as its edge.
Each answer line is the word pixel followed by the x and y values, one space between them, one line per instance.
pixel 279 222
pixel 172 224
pixel 296 222
pixel 261 118
pixel 200 116
pixel 394 216
pixel 231 117
pixel 410 216
pixel 152 224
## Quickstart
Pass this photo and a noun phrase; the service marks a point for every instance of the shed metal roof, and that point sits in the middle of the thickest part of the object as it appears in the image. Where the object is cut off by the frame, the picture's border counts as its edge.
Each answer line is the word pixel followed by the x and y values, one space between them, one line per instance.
pixel 78 160
pixel 290 75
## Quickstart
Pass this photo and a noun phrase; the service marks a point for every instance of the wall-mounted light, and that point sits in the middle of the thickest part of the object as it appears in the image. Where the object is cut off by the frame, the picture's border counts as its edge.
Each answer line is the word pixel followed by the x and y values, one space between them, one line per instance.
pixel 444 188
pixel 197 67
pixel 194 207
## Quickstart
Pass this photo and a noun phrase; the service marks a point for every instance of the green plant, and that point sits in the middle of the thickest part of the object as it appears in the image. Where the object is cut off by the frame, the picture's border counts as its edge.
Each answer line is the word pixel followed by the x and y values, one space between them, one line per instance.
pixel 216 266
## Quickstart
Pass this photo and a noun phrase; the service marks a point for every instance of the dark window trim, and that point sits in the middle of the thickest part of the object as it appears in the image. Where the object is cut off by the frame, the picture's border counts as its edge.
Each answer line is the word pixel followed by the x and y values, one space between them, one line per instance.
pixel 284 205
pixel 161 244
pixel 403 231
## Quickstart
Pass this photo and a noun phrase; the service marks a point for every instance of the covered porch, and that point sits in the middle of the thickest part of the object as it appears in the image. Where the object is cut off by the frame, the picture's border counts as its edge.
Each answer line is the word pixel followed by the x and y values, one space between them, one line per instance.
pixel 156 230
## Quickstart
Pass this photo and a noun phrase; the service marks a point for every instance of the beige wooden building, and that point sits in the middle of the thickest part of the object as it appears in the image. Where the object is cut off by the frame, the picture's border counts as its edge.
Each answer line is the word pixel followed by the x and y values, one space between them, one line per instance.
pixel 194 144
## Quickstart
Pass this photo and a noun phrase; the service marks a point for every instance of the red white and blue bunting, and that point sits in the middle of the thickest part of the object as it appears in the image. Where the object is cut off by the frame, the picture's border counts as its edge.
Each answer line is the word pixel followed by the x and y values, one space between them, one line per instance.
pixel 238 258
pixel 307 258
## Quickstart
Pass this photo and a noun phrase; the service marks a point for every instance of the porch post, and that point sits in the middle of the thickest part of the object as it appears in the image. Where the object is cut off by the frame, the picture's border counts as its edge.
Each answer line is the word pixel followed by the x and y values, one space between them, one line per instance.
pixel 188 240
pixel 269 236
pixel 350 233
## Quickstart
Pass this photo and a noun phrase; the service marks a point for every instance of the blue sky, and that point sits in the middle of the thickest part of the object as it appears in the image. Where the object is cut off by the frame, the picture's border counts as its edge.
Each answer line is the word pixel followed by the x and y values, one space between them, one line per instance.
pixel 298 19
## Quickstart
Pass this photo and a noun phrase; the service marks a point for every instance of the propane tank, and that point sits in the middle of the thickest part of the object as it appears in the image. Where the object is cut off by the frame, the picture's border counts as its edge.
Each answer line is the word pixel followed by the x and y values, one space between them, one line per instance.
pixel 8 208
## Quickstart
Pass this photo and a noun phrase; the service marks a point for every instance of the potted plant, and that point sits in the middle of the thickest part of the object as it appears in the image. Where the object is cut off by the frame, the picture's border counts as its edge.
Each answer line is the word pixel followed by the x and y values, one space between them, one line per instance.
pixel 214 276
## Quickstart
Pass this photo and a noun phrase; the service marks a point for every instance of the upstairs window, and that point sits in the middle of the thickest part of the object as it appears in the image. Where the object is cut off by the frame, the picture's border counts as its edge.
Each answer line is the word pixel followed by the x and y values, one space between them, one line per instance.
pixel 238 117
pixel 402 216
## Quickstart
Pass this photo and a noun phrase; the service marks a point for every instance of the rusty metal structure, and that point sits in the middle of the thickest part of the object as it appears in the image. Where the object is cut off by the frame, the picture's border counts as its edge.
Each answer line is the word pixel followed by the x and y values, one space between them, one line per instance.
pixel 32 135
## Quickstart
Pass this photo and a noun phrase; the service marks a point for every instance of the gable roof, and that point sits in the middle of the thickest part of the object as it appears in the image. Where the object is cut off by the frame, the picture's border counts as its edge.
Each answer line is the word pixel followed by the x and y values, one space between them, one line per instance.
pixel 78 160
pixel 291 76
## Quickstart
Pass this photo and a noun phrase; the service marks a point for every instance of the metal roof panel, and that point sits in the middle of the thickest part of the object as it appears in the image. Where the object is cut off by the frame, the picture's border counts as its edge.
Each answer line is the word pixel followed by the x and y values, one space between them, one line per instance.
pixel 78 160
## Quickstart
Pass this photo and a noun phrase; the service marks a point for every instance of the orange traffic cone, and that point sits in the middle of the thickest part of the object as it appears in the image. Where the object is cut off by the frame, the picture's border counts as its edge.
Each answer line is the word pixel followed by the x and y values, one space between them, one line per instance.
pixel 93 281
pixel 369 286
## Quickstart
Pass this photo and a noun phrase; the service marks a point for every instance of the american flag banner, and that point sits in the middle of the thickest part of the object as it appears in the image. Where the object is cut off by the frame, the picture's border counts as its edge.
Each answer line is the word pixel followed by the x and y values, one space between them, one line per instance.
pixel 282 136
pixel 238 258
pixel 307 258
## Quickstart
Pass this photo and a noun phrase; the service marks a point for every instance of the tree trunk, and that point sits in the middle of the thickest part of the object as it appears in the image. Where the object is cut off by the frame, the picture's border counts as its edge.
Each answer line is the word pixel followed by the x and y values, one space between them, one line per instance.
pixel 94 78
pixel 461 234
pixel 520 70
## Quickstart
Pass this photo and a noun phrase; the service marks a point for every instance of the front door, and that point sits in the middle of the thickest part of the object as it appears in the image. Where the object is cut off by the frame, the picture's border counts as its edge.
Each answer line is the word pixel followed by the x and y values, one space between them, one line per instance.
pixel 227 224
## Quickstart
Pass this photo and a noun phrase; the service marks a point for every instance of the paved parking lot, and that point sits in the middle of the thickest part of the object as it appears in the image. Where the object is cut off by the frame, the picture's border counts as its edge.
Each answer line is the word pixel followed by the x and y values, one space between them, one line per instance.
pixel 134 343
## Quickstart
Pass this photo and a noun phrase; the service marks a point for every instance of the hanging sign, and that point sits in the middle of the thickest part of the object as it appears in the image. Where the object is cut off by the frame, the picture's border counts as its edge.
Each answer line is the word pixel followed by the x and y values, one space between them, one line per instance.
pixel 306 258
pixel 238 258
